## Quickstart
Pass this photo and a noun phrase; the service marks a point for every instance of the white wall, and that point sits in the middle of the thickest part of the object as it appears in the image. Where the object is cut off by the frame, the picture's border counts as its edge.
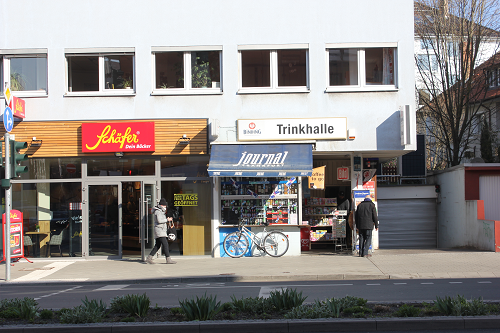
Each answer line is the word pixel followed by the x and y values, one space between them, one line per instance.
pixel 61 24
pixel 458 225
pixel 480 234
pixel 451 209
pixel 406 192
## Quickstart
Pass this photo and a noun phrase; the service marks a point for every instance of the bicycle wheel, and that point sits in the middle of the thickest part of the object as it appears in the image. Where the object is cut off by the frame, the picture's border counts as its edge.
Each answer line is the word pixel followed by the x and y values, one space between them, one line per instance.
pixel 236 244
pixel 276 244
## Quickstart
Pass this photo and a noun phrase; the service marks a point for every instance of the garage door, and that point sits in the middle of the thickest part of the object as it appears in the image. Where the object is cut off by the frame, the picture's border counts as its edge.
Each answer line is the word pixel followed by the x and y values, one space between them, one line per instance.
pixel 407 224
pixel 489 191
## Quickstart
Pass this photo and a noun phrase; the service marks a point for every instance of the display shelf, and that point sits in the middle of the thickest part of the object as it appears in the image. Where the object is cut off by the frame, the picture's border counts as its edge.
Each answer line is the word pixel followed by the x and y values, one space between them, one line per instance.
pixel 319 215
pixel 258 200
pixel 328 225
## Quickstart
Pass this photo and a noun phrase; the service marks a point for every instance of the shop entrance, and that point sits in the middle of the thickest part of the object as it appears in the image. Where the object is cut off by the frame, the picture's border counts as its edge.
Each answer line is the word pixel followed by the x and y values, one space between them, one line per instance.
pixel 120 220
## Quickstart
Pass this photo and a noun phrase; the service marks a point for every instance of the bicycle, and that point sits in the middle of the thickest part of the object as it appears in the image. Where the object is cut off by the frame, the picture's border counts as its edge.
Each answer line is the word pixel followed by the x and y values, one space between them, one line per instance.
pixel 274 243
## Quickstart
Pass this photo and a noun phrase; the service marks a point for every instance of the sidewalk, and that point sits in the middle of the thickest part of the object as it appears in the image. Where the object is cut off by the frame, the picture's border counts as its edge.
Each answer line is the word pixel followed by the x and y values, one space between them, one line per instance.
pixel 384 264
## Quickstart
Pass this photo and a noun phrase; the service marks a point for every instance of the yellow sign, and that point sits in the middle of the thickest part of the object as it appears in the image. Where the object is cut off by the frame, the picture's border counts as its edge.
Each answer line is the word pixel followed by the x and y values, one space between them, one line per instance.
pixel 317 179
pixel 7 95
pixel 188 199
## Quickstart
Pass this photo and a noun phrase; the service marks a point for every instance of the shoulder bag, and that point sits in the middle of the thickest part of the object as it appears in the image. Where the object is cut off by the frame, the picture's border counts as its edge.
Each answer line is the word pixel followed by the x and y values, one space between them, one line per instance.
pixel 171 232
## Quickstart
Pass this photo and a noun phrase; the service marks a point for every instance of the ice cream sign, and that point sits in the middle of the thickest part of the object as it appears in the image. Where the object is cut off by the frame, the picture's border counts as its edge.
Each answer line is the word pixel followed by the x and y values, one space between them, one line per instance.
pixel 118 137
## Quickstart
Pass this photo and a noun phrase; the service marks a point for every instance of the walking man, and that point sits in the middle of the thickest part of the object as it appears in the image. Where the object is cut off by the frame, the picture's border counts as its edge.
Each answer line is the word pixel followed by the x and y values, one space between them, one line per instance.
pixel 366 219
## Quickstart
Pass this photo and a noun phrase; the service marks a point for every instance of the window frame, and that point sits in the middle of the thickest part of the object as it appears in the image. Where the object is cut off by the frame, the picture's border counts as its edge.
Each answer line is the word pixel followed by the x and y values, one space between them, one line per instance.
pixel 186 57
pixel 362 86
pixel 273 54
pixel 100 53
pixel 5 58
pixel 493 78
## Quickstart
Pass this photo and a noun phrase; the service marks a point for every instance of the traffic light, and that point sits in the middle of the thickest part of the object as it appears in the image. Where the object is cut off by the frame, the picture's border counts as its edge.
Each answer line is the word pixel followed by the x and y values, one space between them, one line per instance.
pixel 16 157
pixel 438 188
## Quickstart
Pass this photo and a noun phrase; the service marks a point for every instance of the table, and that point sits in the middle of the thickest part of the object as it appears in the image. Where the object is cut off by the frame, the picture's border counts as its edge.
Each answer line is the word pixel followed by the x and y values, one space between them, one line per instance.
pixel 37 234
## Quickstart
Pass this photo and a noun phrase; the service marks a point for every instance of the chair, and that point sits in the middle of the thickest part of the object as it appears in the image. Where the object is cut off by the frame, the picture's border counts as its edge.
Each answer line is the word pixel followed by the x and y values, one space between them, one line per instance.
pixel 27 242
pixel 55 240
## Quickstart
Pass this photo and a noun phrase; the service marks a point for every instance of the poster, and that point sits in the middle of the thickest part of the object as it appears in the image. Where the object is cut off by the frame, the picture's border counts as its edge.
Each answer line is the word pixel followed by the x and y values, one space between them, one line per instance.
pixel 317 179
pixel 16 234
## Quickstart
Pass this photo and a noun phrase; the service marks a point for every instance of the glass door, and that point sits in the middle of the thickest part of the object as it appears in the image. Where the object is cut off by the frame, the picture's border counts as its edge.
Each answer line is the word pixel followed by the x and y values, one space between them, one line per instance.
pixel 148 201
pixel 103 220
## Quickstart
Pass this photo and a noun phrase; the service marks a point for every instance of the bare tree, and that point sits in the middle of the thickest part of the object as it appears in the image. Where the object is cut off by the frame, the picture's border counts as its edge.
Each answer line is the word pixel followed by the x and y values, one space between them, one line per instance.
pixel 455 36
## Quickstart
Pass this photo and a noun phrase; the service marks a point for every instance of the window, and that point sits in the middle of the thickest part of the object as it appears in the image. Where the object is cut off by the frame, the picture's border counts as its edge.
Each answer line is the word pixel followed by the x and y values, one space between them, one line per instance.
pixel 109 72
pixel 355 68
pixel 427 62
pixel 493 78
pixel 195 70
pixel 25 71
pixel 279 68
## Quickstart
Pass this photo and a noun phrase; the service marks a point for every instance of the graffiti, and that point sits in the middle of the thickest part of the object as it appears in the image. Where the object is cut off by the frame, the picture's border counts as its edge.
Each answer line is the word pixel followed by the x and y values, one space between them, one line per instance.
pixel 76 219
pixel 487 230
pixel 77 234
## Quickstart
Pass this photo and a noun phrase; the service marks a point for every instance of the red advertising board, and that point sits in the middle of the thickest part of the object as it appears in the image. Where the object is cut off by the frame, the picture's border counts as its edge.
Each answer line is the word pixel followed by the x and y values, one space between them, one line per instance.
pixel 118 137
pixel 18 107
pixel 16 235
pixel 343 173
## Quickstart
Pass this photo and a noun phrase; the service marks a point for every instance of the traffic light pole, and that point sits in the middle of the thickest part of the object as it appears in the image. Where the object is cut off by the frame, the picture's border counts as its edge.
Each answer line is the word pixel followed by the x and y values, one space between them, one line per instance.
pixel 8 203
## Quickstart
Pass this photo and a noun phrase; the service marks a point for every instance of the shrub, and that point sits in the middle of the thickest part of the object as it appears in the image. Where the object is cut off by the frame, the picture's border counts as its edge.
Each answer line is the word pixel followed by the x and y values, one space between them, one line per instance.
pixel 9 314
pixel 128 320
pixel 337 305
pixel 357 311
pixel 407 311
pixel 252 305
pixel 46 314
pixel 203 308
pixel 26 308
pixel 460 306
pixel 89 312
pixel 135 305
pixel 327 308
pixel 176 311
pixel 309 311
pixel 286 299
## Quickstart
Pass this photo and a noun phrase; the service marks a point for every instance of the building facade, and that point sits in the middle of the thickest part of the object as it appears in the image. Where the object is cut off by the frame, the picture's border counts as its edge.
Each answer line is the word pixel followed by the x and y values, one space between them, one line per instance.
pixel 115 120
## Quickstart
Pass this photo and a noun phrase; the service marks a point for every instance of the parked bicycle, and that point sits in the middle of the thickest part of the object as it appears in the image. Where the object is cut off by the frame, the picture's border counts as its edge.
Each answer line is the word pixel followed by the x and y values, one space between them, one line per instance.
pixel 274 243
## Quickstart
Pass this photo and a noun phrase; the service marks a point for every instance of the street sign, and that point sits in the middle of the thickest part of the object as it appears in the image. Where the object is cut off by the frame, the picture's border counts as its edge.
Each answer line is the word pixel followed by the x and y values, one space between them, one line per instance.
pixel 71 168
pixel 7 95
pixel 8 119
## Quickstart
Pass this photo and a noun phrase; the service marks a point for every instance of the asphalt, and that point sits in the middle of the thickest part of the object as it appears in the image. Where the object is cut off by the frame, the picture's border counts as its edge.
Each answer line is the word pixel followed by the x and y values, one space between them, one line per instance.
pixel 384 264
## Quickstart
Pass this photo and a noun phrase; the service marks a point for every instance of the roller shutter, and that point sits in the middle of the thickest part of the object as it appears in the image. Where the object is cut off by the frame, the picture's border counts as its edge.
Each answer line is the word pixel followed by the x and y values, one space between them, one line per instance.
pixel 407 224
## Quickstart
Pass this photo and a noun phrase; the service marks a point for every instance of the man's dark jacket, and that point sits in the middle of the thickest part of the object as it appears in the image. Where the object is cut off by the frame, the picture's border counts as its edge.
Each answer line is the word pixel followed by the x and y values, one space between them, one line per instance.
pixel 366 215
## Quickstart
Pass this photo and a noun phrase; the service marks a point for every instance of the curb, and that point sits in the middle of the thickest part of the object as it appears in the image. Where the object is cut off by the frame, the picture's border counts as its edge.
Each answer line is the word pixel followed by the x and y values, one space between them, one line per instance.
pixel 275 326
pixel 204 279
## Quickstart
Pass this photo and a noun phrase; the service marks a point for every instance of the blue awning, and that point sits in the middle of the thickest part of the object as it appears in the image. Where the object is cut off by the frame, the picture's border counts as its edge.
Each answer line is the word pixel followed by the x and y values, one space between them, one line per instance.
pixel 287 160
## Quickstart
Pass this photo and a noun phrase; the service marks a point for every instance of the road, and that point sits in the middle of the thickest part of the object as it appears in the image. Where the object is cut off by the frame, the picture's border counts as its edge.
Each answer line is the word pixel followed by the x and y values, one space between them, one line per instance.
pixel 167 295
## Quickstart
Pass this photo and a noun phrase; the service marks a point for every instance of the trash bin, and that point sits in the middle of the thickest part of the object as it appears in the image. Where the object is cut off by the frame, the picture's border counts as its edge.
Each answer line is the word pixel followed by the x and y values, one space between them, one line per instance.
pixel 305 241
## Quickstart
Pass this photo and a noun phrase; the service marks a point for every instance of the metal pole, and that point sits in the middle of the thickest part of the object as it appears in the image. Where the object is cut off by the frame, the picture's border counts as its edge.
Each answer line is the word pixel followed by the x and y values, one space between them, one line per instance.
pixel 8 203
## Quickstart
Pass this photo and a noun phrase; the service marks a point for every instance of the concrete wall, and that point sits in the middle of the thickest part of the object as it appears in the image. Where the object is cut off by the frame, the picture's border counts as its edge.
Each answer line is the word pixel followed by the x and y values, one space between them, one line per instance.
pixel 451 209
pixel 479 233
pixel 461 222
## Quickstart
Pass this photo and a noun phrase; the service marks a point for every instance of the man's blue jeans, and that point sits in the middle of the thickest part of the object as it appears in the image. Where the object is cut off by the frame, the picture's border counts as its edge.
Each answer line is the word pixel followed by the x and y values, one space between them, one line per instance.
pixel 365 240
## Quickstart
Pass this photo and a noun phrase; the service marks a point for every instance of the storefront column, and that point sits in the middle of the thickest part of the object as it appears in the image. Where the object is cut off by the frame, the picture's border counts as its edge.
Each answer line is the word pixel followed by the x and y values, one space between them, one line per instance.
pixel 43 200
pixel 216 216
